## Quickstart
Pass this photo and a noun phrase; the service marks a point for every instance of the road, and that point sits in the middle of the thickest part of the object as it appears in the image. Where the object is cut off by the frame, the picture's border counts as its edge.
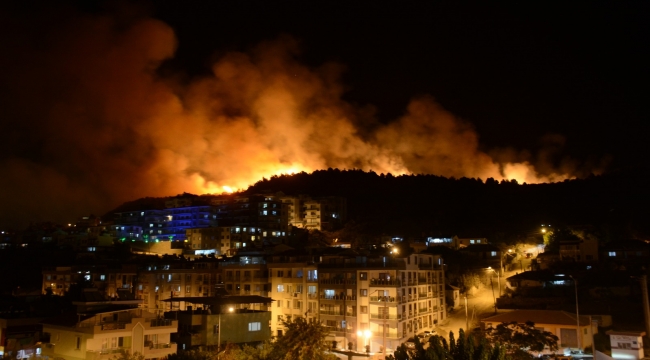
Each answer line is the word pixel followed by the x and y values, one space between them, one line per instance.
pixel 479 305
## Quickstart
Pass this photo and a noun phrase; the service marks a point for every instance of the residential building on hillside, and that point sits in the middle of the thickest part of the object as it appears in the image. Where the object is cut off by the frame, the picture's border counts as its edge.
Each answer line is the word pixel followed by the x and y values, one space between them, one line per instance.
pixel 211 322
pixel 294 287
pixel 585 250
pixel 461 242
pixel 483 255
pixel 562 324
pixel 105 334
pixel 394 297
pixel 172 278
pixel 246 274
pixel 111 281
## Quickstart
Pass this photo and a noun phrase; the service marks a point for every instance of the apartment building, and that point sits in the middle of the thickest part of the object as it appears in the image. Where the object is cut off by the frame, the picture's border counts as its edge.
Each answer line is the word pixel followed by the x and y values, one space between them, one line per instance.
pixel 294 286
pixel 394 297
pixel 246 274
pixel 172 277
pixel 111 281
pixel 212 322
pixel 104 334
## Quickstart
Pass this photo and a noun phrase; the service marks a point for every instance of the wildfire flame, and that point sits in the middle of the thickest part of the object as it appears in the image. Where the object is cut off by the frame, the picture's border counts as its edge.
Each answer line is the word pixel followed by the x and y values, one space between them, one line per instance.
pixel 132 133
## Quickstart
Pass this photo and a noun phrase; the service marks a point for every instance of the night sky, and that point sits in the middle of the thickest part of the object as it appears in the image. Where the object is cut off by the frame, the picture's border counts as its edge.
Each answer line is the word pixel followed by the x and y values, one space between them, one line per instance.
pixel 104 102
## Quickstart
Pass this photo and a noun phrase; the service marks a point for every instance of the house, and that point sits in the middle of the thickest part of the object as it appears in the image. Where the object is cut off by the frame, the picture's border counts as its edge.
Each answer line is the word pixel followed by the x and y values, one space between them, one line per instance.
pixel 626 344
pixel 539 279
pixel 101 335
pixel 571 334
pixel 459 243
pixel 579 250
pixel 627 254
pixel 483 255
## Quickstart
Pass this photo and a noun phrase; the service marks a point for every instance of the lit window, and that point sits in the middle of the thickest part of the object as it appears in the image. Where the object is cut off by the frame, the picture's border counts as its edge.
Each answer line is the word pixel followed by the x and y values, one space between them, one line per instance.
pixel 280 288
pixel 493 253
pixel 612 253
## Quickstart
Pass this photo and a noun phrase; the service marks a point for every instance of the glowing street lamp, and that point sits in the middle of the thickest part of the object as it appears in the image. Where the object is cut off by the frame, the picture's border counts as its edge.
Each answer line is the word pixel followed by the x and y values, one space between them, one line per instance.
pixel 366 334
pixel 230 309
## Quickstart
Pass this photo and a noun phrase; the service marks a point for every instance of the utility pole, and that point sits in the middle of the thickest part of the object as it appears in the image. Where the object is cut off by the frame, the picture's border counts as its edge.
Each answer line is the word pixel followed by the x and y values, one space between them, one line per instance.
pixel 466 318
pixel 646 307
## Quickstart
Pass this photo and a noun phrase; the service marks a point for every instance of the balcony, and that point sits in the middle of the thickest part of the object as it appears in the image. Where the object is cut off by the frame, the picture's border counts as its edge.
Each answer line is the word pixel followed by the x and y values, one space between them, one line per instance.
pixel 421 310
pixel 337 313
pixel 161 322
pixel 113 326
pixel 339 297
pixel 390 334
pixel 383 316
pixel 423 295
pixel 390 299
pixel 383 282
pixel 337 282
pixel 312 296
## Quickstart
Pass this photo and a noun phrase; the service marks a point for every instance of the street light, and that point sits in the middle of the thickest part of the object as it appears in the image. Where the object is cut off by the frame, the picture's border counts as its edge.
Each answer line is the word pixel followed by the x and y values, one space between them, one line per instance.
pixel 366 334
pixel 575 282
pixel 492 286
pixel 498 279
pixel 230 309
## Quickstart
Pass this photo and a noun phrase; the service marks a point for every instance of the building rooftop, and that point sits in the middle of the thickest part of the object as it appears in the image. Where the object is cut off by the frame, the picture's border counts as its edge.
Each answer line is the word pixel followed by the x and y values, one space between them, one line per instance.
pixel 538 317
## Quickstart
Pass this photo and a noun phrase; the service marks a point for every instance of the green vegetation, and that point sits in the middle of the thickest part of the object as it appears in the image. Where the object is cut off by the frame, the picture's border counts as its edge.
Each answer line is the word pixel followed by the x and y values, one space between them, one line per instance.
pixel 508 341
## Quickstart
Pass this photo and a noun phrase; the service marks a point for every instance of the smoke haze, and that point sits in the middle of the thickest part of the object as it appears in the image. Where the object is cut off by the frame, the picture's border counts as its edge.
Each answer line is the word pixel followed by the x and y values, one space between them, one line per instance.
pixel 88 124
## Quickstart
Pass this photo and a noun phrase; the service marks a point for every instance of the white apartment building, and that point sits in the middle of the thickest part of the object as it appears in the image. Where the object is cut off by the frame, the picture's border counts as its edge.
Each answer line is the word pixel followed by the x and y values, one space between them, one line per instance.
pixel 104 335
pixel 394 297
pixel 294 287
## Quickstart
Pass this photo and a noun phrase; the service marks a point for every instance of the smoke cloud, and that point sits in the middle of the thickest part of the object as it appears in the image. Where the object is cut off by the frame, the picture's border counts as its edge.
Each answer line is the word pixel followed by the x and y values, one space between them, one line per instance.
pixel 88 124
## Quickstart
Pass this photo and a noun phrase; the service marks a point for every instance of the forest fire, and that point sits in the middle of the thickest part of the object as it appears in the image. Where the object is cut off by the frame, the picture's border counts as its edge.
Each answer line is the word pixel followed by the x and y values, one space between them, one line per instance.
pixel 115 130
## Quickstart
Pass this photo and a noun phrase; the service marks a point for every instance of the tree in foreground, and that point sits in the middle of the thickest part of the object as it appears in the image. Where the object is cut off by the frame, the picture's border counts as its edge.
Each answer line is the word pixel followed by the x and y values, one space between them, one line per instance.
pixel 302 340
pixel 520 338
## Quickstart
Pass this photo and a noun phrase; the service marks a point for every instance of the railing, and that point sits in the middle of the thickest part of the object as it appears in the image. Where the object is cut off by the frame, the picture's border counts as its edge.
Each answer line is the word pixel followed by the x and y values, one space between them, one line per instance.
pixel 113 326
pixel 383 282
pixel 161 346
pixel 423 296
pixel 389 334
pixel 349 330
pixel 116 350
pixel 422 280
pixel 312 295
pixel 339 297
pixel 421 310
pixel 383 316
pixel 337 313
pixel 382 298
pixel 161 322
pixel 337 282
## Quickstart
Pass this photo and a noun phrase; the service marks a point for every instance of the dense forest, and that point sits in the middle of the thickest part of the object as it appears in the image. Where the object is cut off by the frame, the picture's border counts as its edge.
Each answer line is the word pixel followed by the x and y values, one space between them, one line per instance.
pixel 612 206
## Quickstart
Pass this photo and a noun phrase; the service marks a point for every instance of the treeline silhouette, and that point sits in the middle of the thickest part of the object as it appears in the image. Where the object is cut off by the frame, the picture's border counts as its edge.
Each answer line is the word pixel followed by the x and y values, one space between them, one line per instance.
pixel 613 206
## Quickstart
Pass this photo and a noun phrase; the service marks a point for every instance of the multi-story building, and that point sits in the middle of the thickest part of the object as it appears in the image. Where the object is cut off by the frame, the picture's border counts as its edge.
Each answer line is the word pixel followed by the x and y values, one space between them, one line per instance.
pixel 394 297
pixel 294 287
pixel 214 321
pixel 172 278
pixel 101 335
pixel 246 274
pixel 109 280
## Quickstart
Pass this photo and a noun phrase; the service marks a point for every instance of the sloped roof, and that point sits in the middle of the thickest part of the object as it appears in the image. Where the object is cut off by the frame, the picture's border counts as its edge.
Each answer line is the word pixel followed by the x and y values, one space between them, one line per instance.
pixel 541 275
pixel 555 317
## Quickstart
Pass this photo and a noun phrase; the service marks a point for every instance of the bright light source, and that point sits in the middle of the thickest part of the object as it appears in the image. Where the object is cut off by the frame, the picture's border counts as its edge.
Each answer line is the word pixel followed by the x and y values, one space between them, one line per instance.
pixel 231 309
pixel 367 333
